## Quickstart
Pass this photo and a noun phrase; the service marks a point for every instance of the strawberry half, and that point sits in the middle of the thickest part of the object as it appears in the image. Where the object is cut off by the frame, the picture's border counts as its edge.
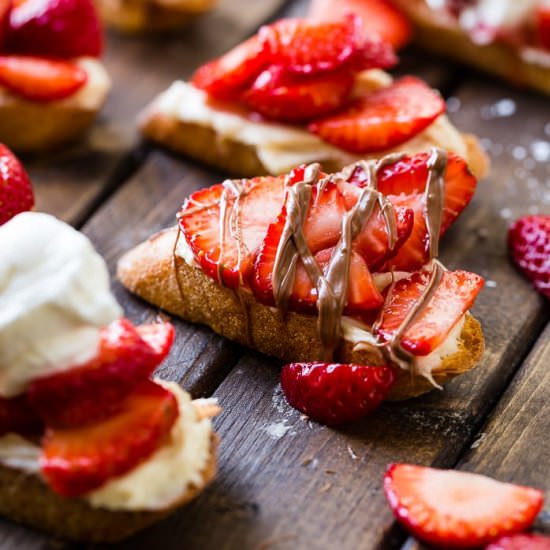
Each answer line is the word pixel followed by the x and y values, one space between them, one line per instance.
pixel 279 95
pixel 16 194
pixel 78 460
pixel 17 416
pixel 93 391
pixel 380 18
pixel 40 79
pixel 543 26
pixel 529 244
pixel 455 294
pixel 521 542
pixel 453 509
pixel 335 394
pixel 55 28
pixel 228 76
pixel 199 220
pixel 383 119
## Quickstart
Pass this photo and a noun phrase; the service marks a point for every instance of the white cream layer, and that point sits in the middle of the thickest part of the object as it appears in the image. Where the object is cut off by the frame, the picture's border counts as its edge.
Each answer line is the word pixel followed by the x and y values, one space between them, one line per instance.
pixel 281 147
pixel 54 297
pixel 155 484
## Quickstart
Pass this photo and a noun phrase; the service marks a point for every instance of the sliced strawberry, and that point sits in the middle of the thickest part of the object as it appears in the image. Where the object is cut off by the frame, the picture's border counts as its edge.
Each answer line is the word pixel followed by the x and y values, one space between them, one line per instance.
pixel 87 393
pixel 383 119
pixel 543 26
pixel 380 18
pixel 55 28
pixel 199 220
pixel 336 394
pixel 16 194
pixel 521 542
pixel 280 95
pixel 227 77
pixel 40 79
pixel 451 509
pixel 455 294
pixel 17 416
pixel 5 9
pixel 78 460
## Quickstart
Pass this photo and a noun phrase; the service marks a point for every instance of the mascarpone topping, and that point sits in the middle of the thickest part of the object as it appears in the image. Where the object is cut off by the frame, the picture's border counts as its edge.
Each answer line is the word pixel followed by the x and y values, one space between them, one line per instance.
pixel 54 297
pixel 281 147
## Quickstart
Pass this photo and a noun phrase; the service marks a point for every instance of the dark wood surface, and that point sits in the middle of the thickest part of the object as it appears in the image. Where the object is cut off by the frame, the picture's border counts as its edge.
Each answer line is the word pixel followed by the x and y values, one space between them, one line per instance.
pixel 285 482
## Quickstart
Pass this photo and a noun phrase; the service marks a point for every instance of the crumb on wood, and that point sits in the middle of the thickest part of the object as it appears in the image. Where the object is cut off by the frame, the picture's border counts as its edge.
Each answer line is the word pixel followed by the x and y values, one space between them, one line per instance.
pixel 275 541
pixel 325 488
pixel 351 453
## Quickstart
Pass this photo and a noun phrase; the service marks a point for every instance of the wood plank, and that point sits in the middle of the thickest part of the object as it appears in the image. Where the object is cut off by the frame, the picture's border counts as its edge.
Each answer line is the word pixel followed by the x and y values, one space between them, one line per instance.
pixel 288 482
pixel 72 182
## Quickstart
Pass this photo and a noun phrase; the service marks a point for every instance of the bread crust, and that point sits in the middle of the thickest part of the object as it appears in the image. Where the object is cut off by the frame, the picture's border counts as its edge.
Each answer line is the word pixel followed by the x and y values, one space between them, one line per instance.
pixel 27 499
pixel 150 16
pixel 203 143
pixel 151 271
pixel 496 58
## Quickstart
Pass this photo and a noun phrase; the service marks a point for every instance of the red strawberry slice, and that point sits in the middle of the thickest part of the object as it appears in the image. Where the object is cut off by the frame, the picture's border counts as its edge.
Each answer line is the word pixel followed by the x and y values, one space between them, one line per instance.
pixel 521 542
pixel 40 79
pixel 455 294
pixel 16 194
pixel 227 77
pixel 529 244
pixel 17 416
pixel 78 460
pixel 88 393
pixel 55 28
pixel 451 509
pixel 199 220
pixel 280 95
pixel 380 18
pixel 383 119
pixel 335 394
pixel 5 9
pixel 543 26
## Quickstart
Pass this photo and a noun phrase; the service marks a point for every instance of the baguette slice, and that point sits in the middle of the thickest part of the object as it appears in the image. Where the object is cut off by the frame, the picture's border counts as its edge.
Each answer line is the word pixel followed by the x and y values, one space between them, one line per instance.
pixel 27 499
pixel 153 272
pixel 144 16
pixel 30 126
pixel 500 59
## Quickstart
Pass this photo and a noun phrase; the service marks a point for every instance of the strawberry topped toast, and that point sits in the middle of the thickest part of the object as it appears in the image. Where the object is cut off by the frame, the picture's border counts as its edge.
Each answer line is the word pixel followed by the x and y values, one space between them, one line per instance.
pixel 52 83
pixel 341 267
pixel 91 446
pixel 300 91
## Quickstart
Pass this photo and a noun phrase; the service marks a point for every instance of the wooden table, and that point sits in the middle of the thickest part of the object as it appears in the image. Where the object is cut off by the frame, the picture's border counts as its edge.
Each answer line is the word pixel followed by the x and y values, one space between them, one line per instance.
pixel 285 482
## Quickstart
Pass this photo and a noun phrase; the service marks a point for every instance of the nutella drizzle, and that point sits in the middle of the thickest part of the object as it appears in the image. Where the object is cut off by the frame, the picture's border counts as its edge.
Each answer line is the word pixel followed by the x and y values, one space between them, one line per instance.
pixel 333 284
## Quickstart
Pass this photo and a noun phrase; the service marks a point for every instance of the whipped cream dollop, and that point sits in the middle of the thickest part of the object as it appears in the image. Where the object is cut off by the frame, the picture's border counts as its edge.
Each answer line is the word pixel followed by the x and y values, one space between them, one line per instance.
pixel 54 297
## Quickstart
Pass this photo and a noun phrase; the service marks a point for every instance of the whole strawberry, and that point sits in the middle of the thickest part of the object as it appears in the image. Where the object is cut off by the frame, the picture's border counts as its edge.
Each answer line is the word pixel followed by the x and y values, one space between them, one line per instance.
pixel 334 394
pixel 55 28
pixel 16 193
pixel 529 244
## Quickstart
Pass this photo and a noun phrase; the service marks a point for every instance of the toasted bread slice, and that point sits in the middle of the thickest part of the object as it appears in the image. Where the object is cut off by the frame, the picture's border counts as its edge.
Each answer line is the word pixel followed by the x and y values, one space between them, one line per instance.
pixel 153 272
pixel 181 120
pixel 30 126
pixel 151 16
pixel 499 59
pixel 27 499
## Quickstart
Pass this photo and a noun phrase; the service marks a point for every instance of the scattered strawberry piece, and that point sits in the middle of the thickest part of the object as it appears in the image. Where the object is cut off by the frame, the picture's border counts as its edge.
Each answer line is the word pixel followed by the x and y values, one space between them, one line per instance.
pixel 335 394
pixel 16 194
pixel 452 509
pixel 543 26
pixel 455 294
pixel 55 28
pixel 529 244
pixel 380 18
pixel 279 95
pixel 199 220
pixel 40 79
pixel 17 416
pixel 93 391
pixel 78 460
pixel 521 542
pixel 383 119
pixel 228 76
